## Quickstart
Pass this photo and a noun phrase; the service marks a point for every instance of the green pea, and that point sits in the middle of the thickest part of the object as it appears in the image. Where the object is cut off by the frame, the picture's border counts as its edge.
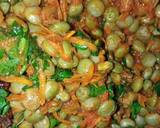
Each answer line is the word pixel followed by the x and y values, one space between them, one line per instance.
pixel 65 64
pixel 31 101
pixel 112 42
pixel 97 32
pixel 95 7
pixel 147 73
pixel 43 123
pixel 48 48
pixel 152 119
pixel 25 124
pixel 111 14
pixel 157 11
pixel 62 114
pixel 16 88
pixel 33 116
pixel 67 47
pixel 5 6
pixel 84 65
pixel 91 103
pixel 138 46
pixel 101 124
pixel 129 60
pixel 84 53
pixel 126 122
pixel 137 84
pixel 151 101
pixel 82 93
pixel 147 84
pixel 155 75
pixel 140 122
pixel 63 96
pixel 105 66
pixel 148 59
pixel 75 10
pixel 63 126
pixel 90 22
pixel 60 27
pixel 117 68
pixel 121 51
pixel 129 21
pixel 116 78
pixel 107 108
pixel 51 89
pixel 134 27
pixel 143 33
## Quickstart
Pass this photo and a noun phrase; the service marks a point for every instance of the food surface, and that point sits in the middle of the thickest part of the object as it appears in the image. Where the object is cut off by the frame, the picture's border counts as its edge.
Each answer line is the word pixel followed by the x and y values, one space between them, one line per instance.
pixel 79 64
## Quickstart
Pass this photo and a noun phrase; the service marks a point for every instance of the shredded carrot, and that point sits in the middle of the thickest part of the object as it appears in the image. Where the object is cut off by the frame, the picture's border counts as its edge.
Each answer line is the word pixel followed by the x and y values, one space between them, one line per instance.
pixel 107 30
pixel 123 16
pixel 30 70
pixel 69 34
pixel 16 79
pixel 44 108
pixel 64 7
pixel 18 97
pixel 87 78
pixel 142 99
pixel 104 97
pixel 42 81
pixel 150 43
pixel 91 120
pixel 55 114
pixel 77 40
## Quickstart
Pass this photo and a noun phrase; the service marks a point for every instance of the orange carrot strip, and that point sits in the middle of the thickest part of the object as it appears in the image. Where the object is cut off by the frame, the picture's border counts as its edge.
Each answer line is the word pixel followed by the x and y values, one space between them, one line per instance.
pixel 77 40
pixel 42 81
pixel 14 97
pixel 16 79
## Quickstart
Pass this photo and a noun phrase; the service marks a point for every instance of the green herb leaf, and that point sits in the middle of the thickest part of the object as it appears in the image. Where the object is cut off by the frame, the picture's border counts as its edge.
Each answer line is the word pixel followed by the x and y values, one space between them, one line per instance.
pixel 60 74
pixel 120 90
pixel 17 30
pixel 2 52
pixel 135 109
pixel 81 47
pixel 80 34
pixel 111 91
pixel 4 106
pixel 53 122
pixel 3 92
pixel 157 88
pixel 8 67
pixel 97 90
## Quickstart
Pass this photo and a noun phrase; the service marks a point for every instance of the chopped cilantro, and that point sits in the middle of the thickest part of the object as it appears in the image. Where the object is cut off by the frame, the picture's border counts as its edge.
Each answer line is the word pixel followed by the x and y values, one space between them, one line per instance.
pixel 157 88
pixel 60 74
pixel 4 104
pixel 135 109
pixel 8 67
pixel 53 122
pixel 97 90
